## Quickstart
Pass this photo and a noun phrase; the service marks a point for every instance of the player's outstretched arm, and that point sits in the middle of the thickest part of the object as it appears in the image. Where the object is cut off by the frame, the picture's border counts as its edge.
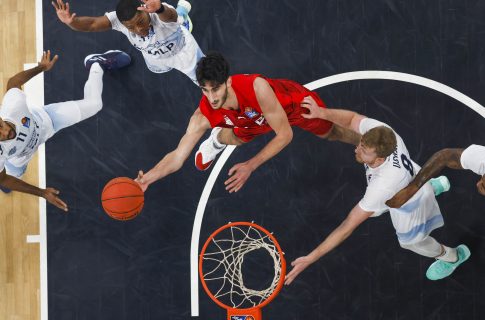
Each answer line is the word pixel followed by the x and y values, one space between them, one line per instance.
pixel 278 121
pixel 444 158
pixel 165 13
pixel 174 160
pixel 45 64
pixel 50 194
pixel 85 24
pixel 343 118
pixel 342 232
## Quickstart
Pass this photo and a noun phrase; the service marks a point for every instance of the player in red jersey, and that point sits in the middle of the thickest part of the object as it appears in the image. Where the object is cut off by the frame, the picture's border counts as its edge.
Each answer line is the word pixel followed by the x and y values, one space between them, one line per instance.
pixel 239 108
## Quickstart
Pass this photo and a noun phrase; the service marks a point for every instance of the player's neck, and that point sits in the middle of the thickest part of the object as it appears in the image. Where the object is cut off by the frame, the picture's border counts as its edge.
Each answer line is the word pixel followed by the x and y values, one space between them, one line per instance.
pixel 231 101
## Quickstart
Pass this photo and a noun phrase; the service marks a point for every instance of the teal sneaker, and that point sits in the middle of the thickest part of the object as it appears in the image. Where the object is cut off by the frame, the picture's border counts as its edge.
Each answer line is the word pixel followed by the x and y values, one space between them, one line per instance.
pixel 440 185
pixel 441 269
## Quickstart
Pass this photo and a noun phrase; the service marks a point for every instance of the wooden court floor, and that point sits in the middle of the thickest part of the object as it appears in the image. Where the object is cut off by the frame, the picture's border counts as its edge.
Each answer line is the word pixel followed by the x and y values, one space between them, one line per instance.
pixel 19 260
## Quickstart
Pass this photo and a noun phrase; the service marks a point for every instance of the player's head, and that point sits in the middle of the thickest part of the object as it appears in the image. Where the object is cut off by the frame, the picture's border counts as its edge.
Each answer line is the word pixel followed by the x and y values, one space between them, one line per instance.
pixel 213 77
pixel 7 130
pixel 136 21
pixel 376 145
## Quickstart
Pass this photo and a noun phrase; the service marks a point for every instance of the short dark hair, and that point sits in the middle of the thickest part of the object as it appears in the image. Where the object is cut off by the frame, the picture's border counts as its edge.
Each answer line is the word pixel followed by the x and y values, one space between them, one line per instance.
pixel 381 138
pixel 212 68
pixel 126 9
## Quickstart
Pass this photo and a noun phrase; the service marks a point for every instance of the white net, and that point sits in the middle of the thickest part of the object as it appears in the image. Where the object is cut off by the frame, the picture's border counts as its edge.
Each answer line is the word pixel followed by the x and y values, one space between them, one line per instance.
pixel 223 266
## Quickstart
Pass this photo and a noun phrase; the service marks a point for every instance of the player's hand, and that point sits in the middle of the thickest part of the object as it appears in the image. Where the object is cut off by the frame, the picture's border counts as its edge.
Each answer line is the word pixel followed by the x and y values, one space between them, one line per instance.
pixel 51 195
pixel 402 197
pixel 481 186
pixel 46 63
pixel 142 181
pixel 299 265
pixel 62 11
pixel 314 110
pixel 240 173
pixel 150 6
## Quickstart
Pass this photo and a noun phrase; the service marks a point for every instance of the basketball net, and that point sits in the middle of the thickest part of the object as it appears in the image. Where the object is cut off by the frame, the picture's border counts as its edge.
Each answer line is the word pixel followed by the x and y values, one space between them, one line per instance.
pixel 225 275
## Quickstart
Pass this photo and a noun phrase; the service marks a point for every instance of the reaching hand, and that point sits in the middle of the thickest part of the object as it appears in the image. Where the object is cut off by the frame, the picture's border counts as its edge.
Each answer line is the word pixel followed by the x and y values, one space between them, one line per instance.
pixel 315 111
pixel 46 63
pixel 150 6
pixel 62 11
pixel 239 175
pixel 299 265
pixel 481 186
pixel 51 195
pixel 141 181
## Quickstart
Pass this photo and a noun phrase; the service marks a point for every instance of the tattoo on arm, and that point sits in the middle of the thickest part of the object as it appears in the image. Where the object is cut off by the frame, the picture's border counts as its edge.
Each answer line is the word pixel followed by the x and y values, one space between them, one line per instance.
pixel 444 158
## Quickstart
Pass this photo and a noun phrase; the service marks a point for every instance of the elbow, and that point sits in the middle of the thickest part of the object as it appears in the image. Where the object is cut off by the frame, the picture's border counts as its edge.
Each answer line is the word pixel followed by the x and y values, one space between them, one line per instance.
pixel 287 135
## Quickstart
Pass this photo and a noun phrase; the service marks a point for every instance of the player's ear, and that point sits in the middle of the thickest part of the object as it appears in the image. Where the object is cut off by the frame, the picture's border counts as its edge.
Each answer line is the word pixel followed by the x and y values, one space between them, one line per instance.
pixel 229 82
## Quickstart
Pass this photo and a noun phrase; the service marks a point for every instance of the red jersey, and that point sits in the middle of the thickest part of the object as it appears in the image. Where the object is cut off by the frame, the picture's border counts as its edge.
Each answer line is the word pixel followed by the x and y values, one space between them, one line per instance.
pixel 248 121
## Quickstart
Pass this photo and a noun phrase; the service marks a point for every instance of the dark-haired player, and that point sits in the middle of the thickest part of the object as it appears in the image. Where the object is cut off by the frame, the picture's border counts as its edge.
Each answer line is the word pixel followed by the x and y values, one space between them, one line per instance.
pixel 239 108
pixel 153 28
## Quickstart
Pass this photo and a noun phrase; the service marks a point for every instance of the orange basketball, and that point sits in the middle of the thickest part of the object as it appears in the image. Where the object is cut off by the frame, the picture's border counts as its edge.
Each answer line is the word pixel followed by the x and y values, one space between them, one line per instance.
pixel 122 198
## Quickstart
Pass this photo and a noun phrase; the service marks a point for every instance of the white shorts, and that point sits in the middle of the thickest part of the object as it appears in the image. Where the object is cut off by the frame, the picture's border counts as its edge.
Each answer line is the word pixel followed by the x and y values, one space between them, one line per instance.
pixel 418 217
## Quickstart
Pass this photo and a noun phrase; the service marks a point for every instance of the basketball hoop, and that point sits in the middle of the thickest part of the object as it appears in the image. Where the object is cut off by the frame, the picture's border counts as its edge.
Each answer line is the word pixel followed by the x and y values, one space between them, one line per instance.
pixel 221 269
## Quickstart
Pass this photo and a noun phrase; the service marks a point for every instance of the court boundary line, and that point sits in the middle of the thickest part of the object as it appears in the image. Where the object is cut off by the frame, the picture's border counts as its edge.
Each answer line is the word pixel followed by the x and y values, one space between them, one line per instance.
pixel 326 81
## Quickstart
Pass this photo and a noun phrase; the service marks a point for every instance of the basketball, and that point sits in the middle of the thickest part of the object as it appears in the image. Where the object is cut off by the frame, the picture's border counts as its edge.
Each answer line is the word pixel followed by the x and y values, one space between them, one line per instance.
pixel 122 198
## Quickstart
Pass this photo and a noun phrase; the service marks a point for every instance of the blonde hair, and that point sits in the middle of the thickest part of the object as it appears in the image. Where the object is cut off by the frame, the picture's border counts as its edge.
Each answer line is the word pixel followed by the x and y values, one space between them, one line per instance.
pixel 382 139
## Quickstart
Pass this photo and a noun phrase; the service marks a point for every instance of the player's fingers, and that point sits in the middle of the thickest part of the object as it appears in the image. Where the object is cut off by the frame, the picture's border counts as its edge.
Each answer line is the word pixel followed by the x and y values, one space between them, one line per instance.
pixel 230 180
pixel 67 6
pixel 231 186
pixel 54 5
pixel 61 204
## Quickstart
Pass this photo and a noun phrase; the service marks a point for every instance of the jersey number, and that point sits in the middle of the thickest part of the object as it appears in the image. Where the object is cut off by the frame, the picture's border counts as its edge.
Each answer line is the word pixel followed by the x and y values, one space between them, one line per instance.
pixel 407 165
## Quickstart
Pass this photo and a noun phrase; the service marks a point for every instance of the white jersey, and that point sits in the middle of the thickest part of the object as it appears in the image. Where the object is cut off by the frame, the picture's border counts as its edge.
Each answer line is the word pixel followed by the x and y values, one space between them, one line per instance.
pixel 417 217
pixel 32 126
pixel 168 45
pixel 473 158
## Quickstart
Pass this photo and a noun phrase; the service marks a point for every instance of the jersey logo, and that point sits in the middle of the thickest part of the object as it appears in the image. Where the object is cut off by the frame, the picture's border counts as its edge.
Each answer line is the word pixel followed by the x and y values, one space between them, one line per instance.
pixel 242 318
pixel 250 113
pixel 12 151
pixel 26 122
pixel 228 121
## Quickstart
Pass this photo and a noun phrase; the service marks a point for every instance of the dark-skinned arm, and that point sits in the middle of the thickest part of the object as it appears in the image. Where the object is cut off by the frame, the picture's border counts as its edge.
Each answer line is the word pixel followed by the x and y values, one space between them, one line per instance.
pixel 50 194
pixel 444 158
pixel 45 64
pixel 168 14
pixel 84 24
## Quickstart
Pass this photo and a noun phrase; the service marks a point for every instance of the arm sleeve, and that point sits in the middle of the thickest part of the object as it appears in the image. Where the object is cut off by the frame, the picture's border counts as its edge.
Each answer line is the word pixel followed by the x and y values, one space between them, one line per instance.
pixel 115 22
pixel 14 102
pixel 473 158
pixel 375 199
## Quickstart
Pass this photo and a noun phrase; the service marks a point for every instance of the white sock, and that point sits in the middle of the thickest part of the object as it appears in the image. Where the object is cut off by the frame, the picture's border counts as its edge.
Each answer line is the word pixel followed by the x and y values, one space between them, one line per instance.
pixel 215 139
pixel 450 255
